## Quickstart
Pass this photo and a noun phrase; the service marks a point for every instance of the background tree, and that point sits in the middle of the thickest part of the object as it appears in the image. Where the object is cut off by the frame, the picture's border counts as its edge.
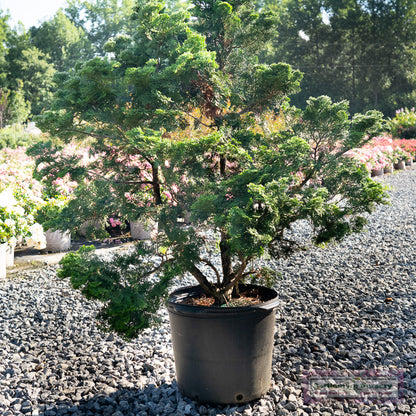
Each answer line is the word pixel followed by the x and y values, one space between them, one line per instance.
pixel 4 93
pixel 61 41
pixel 4 100
pixel 28 70
pixel 28 60
pixel 14 106
pixel 358 50
pixel 4 34
pixel 101 20
pixel 18 108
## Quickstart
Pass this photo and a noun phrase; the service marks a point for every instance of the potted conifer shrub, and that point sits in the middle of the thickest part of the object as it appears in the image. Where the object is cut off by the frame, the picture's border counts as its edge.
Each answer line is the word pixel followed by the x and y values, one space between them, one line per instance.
pixel 250 168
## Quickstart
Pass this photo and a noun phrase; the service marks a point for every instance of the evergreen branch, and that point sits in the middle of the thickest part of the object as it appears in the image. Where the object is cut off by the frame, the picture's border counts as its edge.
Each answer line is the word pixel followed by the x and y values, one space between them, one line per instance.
pixel 134 182
pixel 146 158
pixel 237 276
pixel 209 264
pixel 210 126
pixel 91 134
pixel 206 286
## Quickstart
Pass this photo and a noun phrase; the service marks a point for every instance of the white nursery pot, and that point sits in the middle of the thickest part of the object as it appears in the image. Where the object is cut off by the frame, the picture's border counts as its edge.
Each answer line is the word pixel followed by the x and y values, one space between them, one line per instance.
pixel 58 240
pixel 142 231
pixel 187 217
pixel 95 224
pixel 9 255
pixel 3 248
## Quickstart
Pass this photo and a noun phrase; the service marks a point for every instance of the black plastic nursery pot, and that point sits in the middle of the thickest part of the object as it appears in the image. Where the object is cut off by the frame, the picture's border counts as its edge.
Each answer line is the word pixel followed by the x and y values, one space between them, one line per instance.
pixel 223 355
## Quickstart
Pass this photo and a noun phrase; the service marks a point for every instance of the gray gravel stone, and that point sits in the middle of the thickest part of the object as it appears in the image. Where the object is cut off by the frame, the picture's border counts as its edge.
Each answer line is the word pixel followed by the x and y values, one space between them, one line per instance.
pixel 350 306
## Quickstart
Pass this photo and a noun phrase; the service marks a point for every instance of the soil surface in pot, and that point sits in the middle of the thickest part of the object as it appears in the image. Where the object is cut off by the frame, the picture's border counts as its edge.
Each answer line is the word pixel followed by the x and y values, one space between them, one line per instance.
pixel 246 297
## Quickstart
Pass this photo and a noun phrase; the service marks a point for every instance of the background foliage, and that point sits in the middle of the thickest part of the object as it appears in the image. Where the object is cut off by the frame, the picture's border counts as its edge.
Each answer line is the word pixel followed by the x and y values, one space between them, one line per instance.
pixel 359 50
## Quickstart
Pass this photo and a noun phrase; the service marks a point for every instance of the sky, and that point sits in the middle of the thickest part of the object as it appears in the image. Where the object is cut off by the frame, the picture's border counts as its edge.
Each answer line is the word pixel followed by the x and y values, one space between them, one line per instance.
pixel 30 12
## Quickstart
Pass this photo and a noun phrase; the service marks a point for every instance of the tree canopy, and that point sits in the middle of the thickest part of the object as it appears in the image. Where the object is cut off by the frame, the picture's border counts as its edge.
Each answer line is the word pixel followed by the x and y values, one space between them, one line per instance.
pixel 64 43
pixel 101 20
pixel 179 122
pixel 359 50
pixel 25 73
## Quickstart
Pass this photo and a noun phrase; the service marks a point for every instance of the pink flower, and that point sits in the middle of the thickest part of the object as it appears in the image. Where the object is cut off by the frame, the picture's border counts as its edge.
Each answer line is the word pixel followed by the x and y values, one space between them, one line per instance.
pixel 114 222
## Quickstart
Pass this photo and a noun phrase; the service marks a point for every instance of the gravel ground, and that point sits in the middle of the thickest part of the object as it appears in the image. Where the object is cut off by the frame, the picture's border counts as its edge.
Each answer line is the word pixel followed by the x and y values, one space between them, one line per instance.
pixel 351 306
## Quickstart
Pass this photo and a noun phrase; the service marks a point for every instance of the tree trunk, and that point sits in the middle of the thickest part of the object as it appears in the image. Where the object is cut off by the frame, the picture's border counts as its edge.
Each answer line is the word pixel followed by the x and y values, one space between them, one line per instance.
pixel 156 185
pixel 221 297
pixel 223 162
pixel 225 259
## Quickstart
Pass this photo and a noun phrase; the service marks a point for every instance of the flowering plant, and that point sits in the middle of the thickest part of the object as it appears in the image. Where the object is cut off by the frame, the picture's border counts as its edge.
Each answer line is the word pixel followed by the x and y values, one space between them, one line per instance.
pixel 48 212
pixel 382 151
pixel 114 222
pixel 16 171
pixel 398 154
pixel 36 237
pixel 403 124
pixel 373 157
pixel 15 222
pixel 8 225
pixel 379 158
pixel 408 145
pixel 20 193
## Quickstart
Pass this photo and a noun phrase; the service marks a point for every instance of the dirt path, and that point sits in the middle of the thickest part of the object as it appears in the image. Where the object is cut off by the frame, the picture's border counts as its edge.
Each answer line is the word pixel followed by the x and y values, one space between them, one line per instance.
pixel 26 258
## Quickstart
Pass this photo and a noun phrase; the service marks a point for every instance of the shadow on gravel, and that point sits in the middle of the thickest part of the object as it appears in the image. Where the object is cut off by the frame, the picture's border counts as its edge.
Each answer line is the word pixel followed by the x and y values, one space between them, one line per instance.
pixel 165 400
pixel 143 401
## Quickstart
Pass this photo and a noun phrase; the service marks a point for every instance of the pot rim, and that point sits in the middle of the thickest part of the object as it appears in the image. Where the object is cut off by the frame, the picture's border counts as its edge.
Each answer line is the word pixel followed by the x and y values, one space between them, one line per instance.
pixel 174 304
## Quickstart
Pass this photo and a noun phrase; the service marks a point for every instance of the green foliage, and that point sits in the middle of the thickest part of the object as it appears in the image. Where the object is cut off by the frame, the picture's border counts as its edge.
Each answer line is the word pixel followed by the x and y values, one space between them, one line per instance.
pixel 92 203
pixel 130 294
pixel 28 70
pixel 244 182
pixel 4 35
pixel 46 153
pixel 403 124
pixel 231 28
pixel 18 108
pixel 14 104
pixel 13 107
pixel 101 20
pixel 264 277
pixel 328 124
pixel 15 136
pixel 48 214
pixel 356 50
pixel 61 41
